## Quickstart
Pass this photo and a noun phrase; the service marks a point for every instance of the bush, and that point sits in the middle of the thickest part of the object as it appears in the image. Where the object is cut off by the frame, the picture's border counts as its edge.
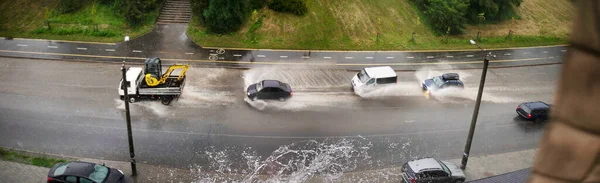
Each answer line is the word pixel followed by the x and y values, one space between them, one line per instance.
pixel 68 6
pixel 494 10
pixel 447 14
pixel 224 16
pixel 257 4
pixel 297 7
pixel 135 11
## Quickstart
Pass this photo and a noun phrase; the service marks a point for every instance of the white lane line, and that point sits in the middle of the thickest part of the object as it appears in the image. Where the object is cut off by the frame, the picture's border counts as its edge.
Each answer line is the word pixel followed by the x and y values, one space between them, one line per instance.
pixel 349 57
pixel 52 46
pixel 429 56
pixel 283 56
pixel 563 50
pixel 137 51
pixel 545 52
pixel 237 55
pixel 22 45
pixel 109 49
pixel 449 56
pixel 327 57
pixel 507 54
pixel 389 57
pixel 82 48
pixel 469 55
pixel 550 57
pixel 525 53
pixel 369 58
pixel 305 57
pixel 261 56
pixel 188 53
pixel 410 57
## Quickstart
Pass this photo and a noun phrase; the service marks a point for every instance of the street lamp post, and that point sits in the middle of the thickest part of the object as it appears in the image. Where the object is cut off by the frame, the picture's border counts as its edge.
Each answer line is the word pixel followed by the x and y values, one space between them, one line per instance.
pixel 126 84
pixel 467 150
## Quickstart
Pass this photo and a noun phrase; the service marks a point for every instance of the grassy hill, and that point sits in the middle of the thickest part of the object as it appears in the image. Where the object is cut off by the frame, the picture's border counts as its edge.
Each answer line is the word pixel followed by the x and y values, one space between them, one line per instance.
pixel 388 25
pixel 26 19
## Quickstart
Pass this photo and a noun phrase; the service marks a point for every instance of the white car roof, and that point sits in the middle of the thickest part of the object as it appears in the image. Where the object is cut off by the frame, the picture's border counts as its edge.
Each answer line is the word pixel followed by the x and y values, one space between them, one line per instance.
pixel 424 164
pixel 133 73
pixel 380 72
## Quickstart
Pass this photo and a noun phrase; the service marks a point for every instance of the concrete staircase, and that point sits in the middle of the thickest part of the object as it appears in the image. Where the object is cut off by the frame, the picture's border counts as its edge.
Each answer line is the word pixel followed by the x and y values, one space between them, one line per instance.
pixel 175 12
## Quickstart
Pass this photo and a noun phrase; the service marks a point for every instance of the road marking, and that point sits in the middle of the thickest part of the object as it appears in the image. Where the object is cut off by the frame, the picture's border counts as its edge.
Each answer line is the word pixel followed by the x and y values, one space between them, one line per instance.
pixel 563 50
pixel 525 53
pixel 327 57
pixel 22 45
pixel 305 57
pixel 369 58
pixel 429 56
pixel 188 53
pixel 550 57
pixel 507 54
pixel 545 52
pixel 469 55
pixel 261 56
pixel 283 56
pixel 213 54
pixel 82 48
pixel 410 57
pixel 237 55
pixel 52 46
pixel 449 56
pixel 137 51
pixel 276 63
pixel 389 57
pixel 109 49
pixel 349 57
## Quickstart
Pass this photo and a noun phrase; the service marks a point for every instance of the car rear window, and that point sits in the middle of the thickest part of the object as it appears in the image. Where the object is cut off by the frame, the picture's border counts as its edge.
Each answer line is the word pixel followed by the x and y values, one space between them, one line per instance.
pixel 525 108
pixel 61 169
pixel 100 172
pixel 386 80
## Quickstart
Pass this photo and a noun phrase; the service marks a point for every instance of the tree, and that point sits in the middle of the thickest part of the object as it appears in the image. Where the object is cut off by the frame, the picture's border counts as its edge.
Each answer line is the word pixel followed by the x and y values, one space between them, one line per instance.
pixel 447 15
pixel 224 16
pixel 496 10
pixel 135 10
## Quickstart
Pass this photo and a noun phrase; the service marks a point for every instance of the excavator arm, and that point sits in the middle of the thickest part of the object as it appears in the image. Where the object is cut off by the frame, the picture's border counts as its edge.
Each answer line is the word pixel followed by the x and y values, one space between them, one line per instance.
pixel 172 68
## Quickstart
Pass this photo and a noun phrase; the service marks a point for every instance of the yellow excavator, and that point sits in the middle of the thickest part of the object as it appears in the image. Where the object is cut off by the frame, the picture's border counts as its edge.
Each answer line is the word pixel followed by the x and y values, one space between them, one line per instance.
pixel 153 70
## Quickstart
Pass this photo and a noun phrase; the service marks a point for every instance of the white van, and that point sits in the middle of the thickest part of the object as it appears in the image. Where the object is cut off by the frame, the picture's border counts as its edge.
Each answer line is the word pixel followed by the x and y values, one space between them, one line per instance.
pixel 374 76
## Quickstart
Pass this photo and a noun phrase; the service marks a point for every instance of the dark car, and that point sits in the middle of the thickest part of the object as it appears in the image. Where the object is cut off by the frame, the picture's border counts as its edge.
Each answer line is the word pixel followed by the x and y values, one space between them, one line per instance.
pixel 447 80
pixel 269 89
pixel 84 172
pixel 430 170
pixel 534 111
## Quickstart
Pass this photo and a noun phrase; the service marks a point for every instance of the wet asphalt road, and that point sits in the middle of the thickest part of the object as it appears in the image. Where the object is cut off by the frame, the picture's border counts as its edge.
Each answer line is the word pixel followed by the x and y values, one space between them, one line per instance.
pixel 71 108
pixel 172 44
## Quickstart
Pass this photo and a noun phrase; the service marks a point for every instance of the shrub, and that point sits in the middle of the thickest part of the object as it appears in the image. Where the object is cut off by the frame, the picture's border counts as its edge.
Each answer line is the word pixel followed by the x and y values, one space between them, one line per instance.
pixel 68 6
pixel 224 16
pixel 136 10
pixel 297 7
pixel 257 4
pixel 494 10
pixel 447 14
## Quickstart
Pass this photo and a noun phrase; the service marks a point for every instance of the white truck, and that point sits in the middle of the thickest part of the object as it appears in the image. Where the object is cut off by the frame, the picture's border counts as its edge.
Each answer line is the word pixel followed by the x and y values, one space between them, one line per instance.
pixel 149 84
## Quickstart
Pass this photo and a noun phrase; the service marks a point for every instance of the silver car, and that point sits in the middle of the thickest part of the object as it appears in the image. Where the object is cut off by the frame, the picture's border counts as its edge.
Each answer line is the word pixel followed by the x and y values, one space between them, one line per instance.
pixel 429 170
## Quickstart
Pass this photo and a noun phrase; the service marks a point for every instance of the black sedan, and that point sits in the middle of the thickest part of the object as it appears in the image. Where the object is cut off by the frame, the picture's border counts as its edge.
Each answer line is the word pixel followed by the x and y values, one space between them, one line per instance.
pixel 269 89
pixel 534 111
pixel 84 172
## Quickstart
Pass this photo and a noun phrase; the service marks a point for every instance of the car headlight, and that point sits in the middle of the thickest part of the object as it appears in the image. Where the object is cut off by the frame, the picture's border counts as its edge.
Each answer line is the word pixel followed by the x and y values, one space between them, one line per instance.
pixel 248 93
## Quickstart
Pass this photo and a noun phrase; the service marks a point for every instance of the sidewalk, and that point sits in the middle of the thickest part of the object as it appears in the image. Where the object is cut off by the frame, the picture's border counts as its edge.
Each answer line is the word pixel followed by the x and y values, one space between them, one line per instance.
pixel 477 168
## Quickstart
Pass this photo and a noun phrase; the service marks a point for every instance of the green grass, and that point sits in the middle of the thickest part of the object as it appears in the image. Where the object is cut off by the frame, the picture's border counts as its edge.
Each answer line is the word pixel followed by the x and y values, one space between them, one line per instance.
pixel 10 155
pixel 102 25
pixel 356 24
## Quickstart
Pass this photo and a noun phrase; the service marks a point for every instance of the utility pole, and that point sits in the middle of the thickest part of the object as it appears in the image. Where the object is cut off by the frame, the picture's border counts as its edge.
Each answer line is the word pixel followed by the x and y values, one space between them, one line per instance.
pixel 467 150
pixel 125 85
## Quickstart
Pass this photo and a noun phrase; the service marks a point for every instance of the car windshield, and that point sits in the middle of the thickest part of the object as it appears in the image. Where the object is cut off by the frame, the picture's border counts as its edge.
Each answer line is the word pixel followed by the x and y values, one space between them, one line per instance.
pixel 61 169
pixel 446 169
pixel 259 86
pixel 438 81
pixel 363 76
pixel 99 174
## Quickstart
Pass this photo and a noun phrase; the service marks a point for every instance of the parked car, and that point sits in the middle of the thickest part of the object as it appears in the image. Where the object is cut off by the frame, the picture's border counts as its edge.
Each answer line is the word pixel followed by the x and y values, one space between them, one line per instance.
pixel 430 170
pixel 269 89
pixel 84 172
pixel 534 111
pixel 372 77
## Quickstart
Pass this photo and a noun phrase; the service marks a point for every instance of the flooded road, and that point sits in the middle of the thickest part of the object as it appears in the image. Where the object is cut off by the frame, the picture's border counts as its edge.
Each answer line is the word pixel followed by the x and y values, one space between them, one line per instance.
pixel 72 108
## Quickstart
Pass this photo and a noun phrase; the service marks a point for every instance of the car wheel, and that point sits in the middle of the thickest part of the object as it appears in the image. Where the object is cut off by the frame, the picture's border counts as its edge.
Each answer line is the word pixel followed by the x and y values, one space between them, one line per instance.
pixel 458 181
pixel 281 99
pixel 253 98
pixel 131 99
pixel 166 100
